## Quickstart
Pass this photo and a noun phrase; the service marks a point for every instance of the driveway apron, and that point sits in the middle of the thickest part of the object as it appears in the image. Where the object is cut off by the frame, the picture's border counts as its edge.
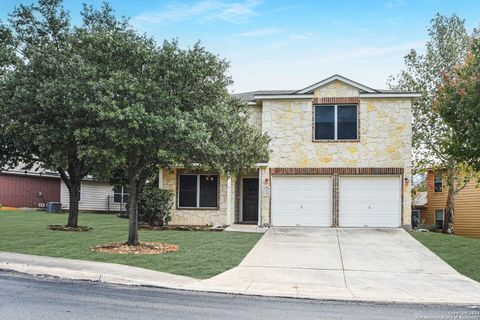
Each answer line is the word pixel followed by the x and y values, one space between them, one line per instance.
pixel 345 264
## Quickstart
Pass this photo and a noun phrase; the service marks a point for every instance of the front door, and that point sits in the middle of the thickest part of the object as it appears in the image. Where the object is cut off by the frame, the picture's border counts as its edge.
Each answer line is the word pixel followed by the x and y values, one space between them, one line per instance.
pixel 415 219
pixel 250 200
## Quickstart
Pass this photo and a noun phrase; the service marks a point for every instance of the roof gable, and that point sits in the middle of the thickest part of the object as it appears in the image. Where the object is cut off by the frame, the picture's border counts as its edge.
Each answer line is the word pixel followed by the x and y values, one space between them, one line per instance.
pixel 334 78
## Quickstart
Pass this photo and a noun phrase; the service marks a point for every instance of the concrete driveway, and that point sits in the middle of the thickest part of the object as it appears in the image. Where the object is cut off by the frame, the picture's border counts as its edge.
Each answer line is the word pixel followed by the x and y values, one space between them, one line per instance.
pixel 346 264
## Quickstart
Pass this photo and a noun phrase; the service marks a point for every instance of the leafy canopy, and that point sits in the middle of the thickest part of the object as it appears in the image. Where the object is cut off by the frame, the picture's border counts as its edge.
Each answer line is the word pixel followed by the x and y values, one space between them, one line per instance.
pixel 458 102
pixel 447 46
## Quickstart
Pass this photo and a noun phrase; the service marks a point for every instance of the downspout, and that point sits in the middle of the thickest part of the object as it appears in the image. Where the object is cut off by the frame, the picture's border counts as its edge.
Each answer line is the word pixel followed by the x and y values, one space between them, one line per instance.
pixel 160 178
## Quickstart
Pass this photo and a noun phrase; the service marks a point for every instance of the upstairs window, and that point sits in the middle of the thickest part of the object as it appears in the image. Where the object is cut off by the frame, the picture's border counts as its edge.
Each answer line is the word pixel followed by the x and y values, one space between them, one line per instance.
pixel 336 122
pixel 438 182
pixel 198 191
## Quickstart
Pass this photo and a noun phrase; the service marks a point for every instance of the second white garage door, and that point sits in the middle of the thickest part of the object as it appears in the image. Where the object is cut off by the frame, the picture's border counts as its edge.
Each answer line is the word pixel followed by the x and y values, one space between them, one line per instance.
pixel 369 201
pixel 301 201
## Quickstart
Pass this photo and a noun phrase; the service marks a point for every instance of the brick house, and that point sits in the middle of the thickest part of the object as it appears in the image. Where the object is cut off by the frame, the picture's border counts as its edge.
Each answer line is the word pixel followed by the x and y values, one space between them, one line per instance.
pixel 34 188
pixel 28 189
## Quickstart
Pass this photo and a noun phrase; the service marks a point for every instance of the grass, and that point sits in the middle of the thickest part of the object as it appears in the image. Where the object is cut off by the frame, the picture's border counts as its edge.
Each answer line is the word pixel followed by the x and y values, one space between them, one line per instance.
pixel 461 253
pixel 202 254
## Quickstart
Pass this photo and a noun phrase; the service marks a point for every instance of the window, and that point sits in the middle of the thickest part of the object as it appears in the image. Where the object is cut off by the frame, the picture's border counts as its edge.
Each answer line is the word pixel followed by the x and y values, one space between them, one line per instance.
pixel 438 182
pixel 439 219
pixel 336 122
pixel 120 194
pixel 198 191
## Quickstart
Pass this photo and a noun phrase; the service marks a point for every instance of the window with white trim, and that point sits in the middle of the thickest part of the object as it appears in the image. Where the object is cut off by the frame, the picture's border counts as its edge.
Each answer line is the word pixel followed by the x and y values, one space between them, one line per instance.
pixel 336 122
pixel 120 194
pixel 198 191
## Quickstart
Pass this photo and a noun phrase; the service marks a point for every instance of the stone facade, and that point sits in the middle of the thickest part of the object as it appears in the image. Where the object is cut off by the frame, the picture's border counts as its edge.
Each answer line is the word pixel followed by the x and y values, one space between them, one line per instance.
pixel 384 141
pixel 199 216
pixel 385 136
pixel 336 89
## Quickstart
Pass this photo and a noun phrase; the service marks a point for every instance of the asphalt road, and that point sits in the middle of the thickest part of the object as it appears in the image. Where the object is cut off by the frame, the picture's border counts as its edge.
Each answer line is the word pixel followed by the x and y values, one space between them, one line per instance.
pixel 27 297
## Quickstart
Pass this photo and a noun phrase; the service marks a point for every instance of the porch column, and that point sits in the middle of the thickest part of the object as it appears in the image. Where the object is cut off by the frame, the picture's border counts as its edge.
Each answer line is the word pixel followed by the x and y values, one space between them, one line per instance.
pixel 260 187
pixel 229 200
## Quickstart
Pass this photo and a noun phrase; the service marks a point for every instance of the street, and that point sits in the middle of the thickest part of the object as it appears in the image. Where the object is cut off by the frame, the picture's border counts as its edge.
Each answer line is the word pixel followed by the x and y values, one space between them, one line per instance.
pixel 27 297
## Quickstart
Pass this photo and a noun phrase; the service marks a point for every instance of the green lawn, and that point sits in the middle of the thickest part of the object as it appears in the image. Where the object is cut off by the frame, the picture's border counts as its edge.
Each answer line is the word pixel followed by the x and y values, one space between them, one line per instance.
pixel 460 252
pixel 202 254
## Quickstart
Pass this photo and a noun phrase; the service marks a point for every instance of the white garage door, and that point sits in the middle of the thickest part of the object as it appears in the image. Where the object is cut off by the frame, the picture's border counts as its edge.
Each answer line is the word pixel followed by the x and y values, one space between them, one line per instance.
pixel 301 201
pixel 369 201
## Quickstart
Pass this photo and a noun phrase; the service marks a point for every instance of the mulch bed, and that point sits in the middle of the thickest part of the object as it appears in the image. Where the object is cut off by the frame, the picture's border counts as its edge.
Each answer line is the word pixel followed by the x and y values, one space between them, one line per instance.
pixel 142 248
pixel 145 226
pixel 61 227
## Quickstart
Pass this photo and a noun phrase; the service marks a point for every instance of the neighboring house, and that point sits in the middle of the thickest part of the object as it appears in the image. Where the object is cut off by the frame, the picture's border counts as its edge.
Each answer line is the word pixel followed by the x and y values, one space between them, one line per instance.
pixel 36 187
pixel 28 188
pixel 419 208
pixel 467 205
pixel 340 156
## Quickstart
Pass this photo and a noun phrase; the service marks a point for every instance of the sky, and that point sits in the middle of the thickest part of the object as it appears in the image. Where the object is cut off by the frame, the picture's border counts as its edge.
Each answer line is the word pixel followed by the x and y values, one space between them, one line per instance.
pixel 287 44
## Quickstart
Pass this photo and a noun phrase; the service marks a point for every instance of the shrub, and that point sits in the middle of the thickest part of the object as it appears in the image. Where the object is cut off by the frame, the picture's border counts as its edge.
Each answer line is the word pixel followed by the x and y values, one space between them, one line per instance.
pixel 154 206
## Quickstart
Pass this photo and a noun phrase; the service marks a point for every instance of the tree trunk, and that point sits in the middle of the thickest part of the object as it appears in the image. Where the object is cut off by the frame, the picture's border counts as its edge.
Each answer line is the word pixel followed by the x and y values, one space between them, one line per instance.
pixel 73 182
pixel 449 217
pixel 74 193
pixel 133 213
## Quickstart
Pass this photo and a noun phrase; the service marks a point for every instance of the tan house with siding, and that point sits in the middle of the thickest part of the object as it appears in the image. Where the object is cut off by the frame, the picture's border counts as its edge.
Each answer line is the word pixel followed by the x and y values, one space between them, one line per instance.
pixel 340 156
pixel 467 205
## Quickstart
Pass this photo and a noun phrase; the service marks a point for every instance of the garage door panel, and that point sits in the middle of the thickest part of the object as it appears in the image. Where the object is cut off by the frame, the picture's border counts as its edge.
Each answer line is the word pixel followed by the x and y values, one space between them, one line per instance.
pixel 301 201
pixel 369 201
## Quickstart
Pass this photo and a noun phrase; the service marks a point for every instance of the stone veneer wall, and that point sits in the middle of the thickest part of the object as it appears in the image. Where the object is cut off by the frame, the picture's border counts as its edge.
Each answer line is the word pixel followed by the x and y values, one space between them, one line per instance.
pixel 385 136
pixel 200 216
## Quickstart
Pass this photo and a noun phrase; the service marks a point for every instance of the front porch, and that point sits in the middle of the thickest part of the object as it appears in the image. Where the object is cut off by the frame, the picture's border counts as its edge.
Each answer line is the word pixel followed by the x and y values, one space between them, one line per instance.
pixel 208 198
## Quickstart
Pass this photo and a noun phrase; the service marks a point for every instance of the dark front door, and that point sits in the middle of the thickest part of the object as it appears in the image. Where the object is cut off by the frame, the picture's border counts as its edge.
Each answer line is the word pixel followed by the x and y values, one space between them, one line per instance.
pixel 250 200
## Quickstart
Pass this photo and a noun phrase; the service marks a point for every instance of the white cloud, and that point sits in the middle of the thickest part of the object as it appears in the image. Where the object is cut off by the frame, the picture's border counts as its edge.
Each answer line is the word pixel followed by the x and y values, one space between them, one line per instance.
pixel 233 12
pixel 260 32
pixel 394 4
pixel 361 52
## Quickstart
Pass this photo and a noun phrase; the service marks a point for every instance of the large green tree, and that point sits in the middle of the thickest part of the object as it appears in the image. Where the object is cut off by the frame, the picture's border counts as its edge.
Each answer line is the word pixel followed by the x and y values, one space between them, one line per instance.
pixel 160 105
pixel 447 47
pixel 46 87
pixel 458 102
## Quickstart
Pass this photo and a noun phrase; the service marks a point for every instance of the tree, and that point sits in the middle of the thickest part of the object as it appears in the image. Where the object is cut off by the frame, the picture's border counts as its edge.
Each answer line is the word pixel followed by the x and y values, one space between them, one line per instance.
pixel 44 88
pixel 446 48
pixel 458 102
pixel 160 105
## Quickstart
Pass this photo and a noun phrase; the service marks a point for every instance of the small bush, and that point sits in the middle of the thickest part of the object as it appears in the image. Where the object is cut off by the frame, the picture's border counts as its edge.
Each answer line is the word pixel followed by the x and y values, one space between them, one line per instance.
pixel 154 206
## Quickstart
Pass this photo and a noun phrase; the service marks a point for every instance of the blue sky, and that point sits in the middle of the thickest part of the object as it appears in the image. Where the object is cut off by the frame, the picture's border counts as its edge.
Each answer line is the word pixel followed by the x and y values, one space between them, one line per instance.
pixel 285 44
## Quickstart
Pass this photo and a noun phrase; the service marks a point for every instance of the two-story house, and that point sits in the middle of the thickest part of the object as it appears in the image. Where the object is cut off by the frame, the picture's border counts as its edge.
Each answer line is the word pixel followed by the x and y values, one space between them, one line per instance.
pixel 340 156
pixel 467 205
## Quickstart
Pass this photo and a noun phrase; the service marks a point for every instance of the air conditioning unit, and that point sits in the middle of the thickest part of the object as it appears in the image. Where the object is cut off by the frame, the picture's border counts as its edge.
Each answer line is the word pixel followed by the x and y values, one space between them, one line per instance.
pixel 54 207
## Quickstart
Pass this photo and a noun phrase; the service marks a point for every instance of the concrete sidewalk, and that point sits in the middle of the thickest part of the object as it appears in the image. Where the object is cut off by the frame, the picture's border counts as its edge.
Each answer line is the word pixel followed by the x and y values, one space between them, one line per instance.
pixel 91 271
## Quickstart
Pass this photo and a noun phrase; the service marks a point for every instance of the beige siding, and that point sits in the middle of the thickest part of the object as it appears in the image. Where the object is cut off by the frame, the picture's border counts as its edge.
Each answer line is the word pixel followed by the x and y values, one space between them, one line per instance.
pixel 467 207
pixel 94 196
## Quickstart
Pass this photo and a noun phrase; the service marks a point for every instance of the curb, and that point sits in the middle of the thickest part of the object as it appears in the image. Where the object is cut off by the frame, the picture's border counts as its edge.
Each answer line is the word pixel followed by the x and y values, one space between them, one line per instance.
pixel 169 281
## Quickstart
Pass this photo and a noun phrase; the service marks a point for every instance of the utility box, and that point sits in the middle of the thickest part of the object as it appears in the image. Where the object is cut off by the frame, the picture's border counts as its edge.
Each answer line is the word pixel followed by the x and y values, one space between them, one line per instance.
pixel 54 207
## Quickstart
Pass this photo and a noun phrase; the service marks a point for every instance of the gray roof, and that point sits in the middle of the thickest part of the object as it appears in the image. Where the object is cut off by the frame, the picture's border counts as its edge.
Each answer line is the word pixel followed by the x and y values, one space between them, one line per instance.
pixel 250 96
